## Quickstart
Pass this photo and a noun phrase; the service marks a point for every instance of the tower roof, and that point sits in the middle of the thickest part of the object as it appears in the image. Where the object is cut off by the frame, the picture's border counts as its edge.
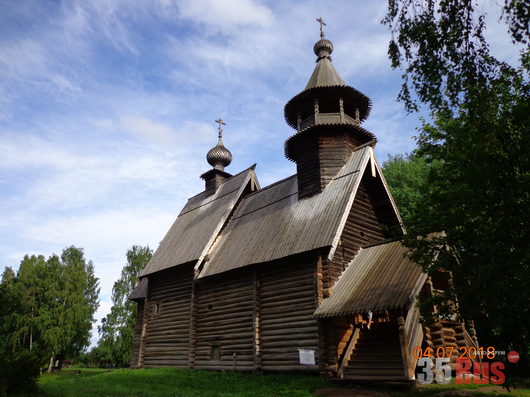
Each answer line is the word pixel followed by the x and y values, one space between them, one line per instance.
pixel 324 75
pixel 326 81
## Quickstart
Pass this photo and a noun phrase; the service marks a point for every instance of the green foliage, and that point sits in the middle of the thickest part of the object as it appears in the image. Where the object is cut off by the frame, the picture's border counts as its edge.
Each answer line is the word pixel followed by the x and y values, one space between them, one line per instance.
pixel 117 328
pixel 407 178
pixel 19 373
pixel 48 306
pixel 442 47
pixel 478 195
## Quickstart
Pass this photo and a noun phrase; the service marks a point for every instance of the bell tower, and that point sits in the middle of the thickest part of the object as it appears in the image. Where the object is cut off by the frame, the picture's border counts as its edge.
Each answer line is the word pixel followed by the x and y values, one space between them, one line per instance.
pixel 327 117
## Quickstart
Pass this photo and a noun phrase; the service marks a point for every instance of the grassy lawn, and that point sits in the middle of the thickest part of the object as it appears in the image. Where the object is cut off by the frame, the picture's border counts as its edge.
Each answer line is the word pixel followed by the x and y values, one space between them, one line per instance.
pixel 175 383
pixel 162 382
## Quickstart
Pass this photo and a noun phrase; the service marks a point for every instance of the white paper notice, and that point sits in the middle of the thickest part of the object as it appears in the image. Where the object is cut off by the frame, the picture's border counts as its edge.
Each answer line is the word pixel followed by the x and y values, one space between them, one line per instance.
pixel 307 357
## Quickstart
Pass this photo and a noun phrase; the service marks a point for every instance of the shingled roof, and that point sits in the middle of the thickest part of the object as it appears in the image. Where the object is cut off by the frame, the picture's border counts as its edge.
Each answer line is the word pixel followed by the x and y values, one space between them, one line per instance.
pixel 379 278
pixel 273 223
pixel 324 75
pixel 140 291
pixel 197 225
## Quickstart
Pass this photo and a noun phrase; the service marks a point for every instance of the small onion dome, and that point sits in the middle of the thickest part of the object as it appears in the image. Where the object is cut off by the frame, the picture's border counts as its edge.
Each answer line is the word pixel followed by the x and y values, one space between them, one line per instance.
pixel 323 48
pixel 219 156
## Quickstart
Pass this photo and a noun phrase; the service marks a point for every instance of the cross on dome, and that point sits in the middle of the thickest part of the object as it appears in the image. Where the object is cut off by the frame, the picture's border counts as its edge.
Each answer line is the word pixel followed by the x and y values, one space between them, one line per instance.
pixel 322 23
pixel 220 127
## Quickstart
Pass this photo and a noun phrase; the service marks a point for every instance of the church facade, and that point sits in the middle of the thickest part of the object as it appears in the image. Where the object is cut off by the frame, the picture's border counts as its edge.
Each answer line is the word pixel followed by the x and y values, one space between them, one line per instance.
pixel 307 274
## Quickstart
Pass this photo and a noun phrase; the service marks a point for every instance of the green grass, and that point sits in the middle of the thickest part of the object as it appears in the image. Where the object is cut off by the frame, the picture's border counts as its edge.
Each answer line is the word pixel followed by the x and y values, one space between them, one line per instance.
pixel 162 382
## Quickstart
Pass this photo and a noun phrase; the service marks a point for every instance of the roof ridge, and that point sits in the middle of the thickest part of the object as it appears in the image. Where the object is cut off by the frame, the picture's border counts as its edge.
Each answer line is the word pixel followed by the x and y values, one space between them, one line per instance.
pixel 252 167
pixel 269 186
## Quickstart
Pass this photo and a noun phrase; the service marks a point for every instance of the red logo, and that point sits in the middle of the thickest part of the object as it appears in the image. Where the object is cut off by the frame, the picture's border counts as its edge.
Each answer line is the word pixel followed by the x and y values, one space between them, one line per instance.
pixel 479 373
pixel 513 357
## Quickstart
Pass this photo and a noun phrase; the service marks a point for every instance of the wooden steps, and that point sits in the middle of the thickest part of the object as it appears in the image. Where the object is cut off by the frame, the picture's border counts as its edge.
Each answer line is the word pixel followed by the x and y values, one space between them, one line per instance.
pixel 377 356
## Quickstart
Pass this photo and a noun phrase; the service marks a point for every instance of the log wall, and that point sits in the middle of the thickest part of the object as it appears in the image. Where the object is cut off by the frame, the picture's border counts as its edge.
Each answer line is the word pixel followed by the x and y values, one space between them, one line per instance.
pixel 363 225
pixel 287 302
pixel 320 157
pixel 167 332
pixel 251 319
pixel 335 150
pixel 308 167
pixel 135 359
pixel 225 328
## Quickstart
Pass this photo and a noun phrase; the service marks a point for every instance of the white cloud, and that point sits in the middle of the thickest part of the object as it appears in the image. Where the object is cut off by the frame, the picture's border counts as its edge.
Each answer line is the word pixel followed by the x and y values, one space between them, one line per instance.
pixel 226 14
pixel 149 130
pixel 103 231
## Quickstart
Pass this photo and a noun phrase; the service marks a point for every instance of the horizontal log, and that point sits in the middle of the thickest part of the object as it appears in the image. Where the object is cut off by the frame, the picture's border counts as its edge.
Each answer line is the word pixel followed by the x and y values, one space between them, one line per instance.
pixel 289 324
pixel 296 343
pixel 216 313
pixel 227 297
pixel 290 332
pixel 267 321
pixel 284 312
pixel 217 294
pixel 237 304
pixel 295 297
pixel 227 331
pixel 216 286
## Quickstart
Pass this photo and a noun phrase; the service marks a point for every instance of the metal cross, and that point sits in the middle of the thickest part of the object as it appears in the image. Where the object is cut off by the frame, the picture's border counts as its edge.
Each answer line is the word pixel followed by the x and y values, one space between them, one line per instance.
pixel 322 23
pixel 220 127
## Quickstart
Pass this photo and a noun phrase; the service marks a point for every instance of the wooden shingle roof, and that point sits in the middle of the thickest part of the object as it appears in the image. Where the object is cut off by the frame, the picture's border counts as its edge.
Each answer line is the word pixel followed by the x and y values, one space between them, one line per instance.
pixel 379 278
pixel 197 225
pixel 140 291
pixel 273 223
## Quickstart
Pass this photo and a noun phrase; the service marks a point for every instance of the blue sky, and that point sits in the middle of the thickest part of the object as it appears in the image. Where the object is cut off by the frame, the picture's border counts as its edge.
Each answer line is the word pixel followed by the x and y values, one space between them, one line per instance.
pixel 107 109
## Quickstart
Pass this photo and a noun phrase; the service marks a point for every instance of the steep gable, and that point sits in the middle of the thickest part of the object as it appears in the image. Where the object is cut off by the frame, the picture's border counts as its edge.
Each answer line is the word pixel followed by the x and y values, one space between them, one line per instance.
pixel 373 216
pixel 199 222
pixel 273 223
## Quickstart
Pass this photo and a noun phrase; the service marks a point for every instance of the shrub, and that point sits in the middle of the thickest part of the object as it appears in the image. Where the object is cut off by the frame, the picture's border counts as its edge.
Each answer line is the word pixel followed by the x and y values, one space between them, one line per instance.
pixel 19 374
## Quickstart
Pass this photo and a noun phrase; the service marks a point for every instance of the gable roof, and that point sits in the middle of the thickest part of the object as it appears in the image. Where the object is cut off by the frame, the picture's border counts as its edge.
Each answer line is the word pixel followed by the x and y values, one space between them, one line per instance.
pixel 197 225
pixel 273 223
pixel 379 278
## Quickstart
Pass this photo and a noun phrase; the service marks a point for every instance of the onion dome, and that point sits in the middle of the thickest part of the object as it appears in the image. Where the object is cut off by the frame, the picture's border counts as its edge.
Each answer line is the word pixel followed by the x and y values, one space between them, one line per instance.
pixel 323 48
pixel 219 156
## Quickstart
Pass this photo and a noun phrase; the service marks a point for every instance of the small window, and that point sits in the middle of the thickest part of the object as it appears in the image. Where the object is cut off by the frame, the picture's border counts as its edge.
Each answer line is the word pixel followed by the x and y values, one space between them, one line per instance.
pixel 156 308
pixel 215 353
pixel 210 307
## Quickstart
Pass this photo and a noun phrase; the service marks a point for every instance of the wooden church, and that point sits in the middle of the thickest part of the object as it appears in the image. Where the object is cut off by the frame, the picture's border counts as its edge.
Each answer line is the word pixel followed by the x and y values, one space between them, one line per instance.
pixel 307 274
